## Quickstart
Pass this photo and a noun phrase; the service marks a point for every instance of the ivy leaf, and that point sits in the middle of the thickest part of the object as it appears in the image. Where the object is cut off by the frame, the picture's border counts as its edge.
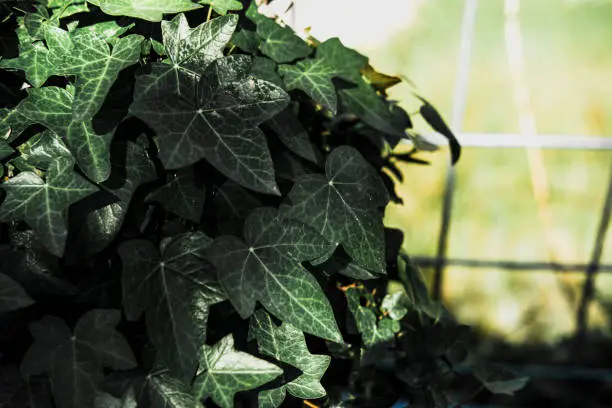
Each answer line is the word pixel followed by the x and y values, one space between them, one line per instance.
pixel 346 62
pixel 224 371
pixel 265 68
pixel 52 107
pixel 313 77
pixel 87 55
pixel 96 220
pixel 107 30
pixel 434 119
pixel 165 391
pixel 219 123
pixel 223 6
pixel 281 43
pixel 344 206
pixel 74 361
pixel 287 344
pixel 291 132
pixel 372 329
pixel 232 204
pixel 267 267
pixel 12 124
pixel 395 304
pixel 246 40
pixel 12 295
pixel 106 400
pixel 176 288
pixel 150 10
pixel 183 195
pixel 499 380
pixel 32 59
pixel 43 204
pixel 5 150
pixel 364 102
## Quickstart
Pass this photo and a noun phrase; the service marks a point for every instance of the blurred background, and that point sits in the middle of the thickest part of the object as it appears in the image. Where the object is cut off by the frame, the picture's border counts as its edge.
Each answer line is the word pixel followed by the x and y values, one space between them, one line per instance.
pixel 527 87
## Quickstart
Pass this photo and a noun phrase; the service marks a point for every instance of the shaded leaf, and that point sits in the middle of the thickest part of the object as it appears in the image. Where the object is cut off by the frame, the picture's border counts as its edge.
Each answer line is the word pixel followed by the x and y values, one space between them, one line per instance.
pixel 43 204
pixel 246 40
pixel 499 380
pixel 373 330
pixel 344 206
pixel 434 119
pixel 265 68
pixel 287 344
pixel 12 295
pixel 291 132
pixel 266 267
pixel 183 195
pixel 40 150
pixel 175 287
pixel 224 371
pixel 223 6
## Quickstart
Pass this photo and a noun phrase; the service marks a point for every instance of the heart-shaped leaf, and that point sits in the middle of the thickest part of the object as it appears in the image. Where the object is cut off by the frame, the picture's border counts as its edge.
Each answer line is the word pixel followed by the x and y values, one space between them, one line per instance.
pixel 12 295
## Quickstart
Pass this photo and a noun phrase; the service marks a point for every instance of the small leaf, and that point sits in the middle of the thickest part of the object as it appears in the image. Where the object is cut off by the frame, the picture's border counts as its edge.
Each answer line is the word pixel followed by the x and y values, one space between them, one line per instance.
pixel 223 6
pixel 381 82
pixel 287 344
pixel 150 10
pixel 372 329
pixel 313 76
pixel 344 206
pixel 43 204
pixel 279 43
pixel 175 287
pixel 291 132
pixel 183 195
pixel 267 267
pixel 12 295
pixel 395 304
pixel 224 371
pixel 431 115
pixel 499 380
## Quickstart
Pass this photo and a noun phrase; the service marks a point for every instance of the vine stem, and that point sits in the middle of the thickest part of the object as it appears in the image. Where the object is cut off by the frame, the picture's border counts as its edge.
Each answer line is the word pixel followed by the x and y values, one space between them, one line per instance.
pixel 209 15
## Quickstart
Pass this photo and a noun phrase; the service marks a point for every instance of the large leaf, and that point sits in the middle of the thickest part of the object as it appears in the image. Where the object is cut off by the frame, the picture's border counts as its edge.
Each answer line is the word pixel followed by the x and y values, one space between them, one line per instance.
pixel 224 371
pixel 346 62
pixel 150 10
pixel 183 195
pixel 175 287
pixel 267 267
pixel 95 221
pixel 218 123
pixel 74 361
pixel 223 6
pixel 314 77
pixel 344 206
pixel 12 295
pixel 87 55
pixel 52 107
pixel 287 344
pixel 43 204
pixel 281 43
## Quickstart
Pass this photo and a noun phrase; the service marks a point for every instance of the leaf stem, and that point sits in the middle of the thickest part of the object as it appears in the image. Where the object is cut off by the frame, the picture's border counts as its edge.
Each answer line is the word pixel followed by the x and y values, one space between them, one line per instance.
pixel 209 15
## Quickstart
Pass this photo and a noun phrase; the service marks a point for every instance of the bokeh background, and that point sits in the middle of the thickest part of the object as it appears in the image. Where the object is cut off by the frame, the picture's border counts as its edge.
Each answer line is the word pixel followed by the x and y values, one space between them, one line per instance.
pixel 497 213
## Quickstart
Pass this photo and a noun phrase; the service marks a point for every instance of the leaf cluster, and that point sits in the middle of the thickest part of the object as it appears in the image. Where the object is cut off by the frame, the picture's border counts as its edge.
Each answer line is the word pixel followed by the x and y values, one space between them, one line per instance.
pixel 192 200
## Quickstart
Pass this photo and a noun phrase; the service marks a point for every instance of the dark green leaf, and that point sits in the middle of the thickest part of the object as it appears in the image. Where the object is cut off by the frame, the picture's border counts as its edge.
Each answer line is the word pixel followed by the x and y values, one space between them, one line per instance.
pixel 431 115
pixel 312 76
pixel 281 43
pixel 164 391
pixel 500 380
pixel 150 10
pixel 12 295
pixel 372 329
pixel 290 131
pixel 43 204
pixel 267 267
pixel 344 206
pixel 5 150
pixel 52 107
pixel 246 40
pixel 219 123
pixel 74 361
pixel 232 205
pixel 224 371
pixel 287 344
pixel 106 400
pixel 223 6
pixel 183 195
pixel 40 150
pixel 95 221
pixel 176 288
pixel 346 62
pixel 12 124
pixel 265 68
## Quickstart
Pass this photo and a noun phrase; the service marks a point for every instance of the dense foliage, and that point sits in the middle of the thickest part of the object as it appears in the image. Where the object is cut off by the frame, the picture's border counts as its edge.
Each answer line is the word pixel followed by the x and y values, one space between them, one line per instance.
pixel 192 213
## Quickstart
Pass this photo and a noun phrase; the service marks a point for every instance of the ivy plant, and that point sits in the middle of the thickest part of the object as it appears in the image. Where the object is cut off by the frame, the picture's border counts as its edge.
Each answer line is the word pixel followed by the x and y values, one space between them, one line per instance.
pixel 192 213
